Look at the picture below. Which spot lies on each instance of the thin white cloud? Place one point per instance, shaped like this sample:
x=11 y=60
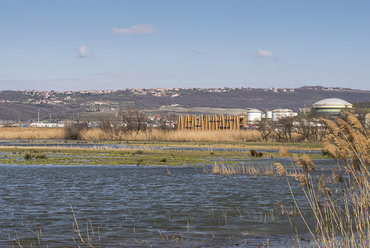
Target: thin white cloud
x=83 y=52
x=136 y=29
x=265 y=54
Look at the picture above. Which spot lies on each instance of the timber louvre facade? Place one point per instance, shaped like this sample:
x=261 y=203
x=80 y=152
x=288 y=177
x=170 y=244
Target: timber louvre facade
x=211 y=122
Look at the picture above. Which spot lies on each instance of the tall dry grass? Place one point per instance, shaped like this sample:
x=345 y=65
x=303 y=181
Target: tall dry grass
x=31 y=133
x=158 y=135
x=229 y=170
x=148 y=135
x=340 y=202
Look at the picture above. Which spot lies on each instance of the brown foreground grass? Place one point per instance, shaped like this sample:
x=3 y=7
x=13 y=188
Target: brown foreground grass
x=149 y=135
x=339 y=202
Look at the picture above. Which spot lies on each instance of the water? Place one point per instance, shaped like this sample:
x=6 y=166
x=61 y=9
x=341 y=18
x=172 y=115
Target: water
x=135 y=207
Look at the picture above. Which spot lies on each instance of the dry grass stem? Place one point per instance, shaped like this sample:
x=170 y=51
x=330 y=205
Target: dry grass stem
x=340 y=204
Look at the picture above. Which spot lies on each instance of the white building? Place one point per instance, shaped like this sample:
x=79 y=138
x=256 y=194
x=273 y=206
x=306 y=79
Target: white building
x=50 y=125
x=277 y=114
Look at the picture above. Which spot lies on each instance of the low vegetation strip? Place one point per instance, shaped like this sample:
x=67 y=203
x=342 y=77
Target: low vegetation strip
x=143 y=157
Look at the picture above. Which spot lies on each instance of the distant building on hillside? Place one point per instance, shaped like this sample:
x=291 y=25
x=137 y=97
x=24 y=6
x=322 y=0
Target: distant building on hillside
x=331 y=106
x=49 y=125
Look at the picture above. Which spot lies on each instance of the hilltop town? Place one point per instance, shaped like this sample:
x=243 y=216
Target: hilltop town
x=58 y=105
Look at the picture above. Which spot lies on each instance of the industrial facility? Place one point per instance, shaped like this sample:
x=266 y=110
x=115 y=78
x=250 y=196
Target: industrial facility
x=251 y=117
x=331 y=106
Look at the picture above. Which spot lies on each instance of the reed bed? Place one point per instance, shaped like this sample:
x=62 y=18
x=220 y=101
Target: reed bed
x=148 y=135
x=189 y=136
x=31 y=133
x=340 y=203
x=229 y=170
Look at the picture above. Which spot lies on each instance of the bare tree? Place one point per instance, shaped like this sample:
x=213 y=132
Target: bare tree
x=124 y=121
x=266 y=128
x=133 y=120
x=73 y=131
x=165 y=121
x=285 y=128
x=111 y=127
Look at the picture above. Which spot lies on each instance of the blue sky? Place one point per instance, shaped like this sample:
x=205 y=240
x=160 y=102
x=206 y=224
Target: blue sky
x=71 y=45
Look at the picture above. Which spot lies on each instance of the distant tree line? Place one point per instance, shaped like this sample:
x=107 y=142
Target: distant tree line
x=307 y=128
x=290 y=129
x=124 y=122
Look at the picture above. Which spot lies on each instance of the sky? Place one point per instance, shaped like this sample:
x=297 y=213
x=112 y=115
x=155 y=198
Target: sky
x=80 y=45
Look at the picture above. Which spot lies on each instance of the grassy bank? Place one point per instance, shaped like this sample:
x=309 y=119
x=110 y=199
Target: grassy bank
x=143 y=157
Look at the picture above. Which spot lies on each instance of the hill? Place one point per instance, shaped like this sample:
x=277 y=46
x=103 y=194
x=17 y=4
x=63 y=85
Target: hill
x=24 y=105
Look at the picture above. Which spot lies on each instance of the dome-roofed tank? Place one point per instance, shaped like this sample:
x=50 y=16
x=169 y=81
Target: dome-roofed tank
x=332 y=103
x=332 y=106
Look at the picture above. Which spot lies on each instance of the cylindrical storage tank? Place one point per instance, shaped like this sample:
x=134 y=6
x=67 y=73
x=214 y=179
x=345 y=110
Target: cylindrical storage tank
x=254 y=115
x=331 y=106
x=277 y=114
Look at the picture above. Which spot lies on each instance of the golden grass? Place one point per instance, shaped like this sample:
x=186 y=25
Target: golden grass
x=149 y=135
x=188 y=136
x=31 y=133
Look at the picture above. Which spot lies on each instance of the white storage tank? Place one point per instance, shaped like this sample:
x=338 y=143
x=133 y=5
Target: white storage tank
x=254 y=115
x=331 y=106
x=277 y=114
x=269 y=114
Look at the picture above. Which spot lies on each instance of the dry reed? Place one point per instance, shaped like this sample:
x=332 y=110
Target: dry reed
x=195 y=136
x=228 y=170
x=340 y=204
x=148 y=135
x=31 y=133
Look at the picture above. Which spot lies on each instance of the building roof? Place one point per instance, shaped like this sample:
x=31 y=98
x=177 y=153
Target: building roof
x=282 y=110
x=253 y=110
x=332 y=103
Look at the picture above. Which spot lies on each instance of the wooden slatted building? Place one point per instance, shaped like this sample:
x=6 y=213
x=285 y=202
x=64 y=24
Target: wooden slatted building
x=211 y=122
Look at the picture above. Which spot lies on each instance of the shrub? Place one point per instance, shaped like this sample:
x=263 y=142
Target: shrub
x=138 y=152
x=255 y=153
x=74 y=131
x=40 y=156
x=27 y=156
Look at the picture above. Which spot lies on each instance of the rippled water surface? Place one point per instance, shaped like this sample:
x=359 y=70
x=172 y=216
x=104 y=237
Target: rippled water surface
x=134 y=206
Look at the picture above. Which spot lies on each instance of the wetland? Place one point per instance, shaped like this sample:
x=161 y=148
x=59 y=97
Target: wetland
x=122 y=196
